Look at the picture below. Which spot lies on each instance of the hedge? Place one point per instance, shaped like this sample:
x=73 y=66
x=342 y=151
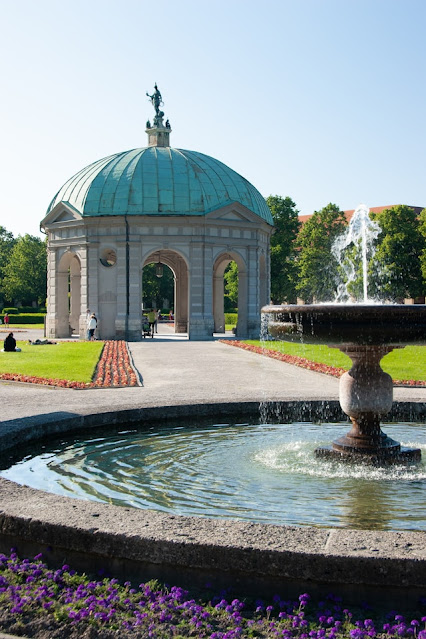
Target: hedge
x=31 y=309
x=12 y=310
x=33 y=318
x=231 y=318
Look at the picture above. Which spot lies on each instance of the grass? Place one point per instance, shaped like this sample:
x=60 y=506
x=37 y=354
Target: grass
x=74 y=361
x=28 y=327
x=407 y=363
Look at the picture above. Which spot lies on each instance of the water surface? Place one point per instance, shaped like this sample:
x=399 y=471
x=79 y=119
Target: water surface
x=264 y=473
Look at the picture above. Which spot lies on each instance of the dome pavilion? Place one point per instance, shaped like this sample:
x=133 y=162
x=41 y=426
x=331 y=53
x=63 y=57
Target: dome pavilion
x=155 y=204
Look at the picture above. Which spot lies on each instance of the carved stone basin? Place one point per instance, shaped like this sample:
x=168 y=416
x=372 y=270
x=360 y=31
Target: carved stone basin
x=360 y=324
x=365 y=333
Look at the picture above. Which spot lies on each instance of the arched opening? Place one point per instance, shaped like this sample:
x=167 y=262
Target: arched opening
x=68 y=295
x=229 y=291
x=158 y=286
x=165 y=285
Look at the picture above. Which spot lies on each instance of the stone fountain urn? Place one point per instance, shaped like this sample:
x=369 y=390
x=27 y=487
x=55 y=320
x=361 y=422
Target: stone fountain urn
x=365 y=332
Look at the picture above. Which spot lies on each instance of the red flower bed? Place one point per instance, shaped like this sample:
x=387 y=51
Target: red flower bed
x=306 y=363
x=114 y=370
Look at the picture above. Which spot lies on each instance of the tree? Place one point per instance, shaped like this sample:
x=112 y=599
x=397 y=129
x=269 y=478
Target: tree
x=397 y=262
x=25 y=272
x=317 y=267
x=7 y=242
x=231 y=287
x=283 y=248
x=422 y=228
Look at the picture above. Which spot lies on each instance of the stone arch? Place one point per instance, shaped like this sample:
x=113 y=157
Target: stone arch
x=219 y=266
x=178 y=264
x=68 y=294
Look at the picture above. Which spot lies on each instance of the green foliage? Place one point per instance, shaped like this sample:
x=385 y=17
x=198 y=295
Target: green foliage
x=397 y=264
x=231 y=319
x=7 y=243
x=11 y=310
x=283 y=248
x=317 y=267
x=422 y=229
x=25 y=272
x=157 y=288
x=32 y=309
x=74 y=361
x=231 y=286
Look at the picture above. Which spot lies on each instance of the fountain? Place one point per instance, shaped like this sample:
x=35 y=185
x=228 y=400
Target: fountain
x=365 y=332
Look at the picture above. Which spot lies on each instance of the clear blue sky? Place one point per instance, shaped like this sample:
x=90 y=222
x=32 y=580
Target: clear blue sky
x=321 y=100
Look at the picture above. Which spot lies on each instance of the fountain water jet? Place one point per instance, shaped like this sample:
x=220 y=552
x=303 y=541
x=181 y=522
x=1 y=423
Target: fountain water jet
x=366 y=333
x=361 y=231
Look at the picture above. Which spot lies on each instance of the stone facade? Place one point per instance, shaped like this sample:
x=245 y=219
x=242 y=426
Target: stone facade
x=196 y=248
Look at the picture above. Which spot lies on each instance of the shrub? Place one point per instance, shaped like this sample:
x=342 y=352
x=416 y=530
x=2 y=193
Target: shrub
x=33 y=318
x=31 y=309
x=231 y=318
x=12 y=310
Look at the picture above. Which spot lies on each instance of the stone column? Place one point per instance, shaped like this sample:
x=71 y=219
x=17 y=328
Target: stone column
x=92 y=278
x=135 y=292
x=51 y=317
x=84 y=290
x=120 y=322
x=253 y=293
x=201 y=324
x=181 y=296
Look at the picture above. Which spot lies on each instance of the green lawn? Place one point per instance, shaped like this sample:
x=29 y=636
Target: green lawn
x=27 y=327
x=407 y=363
x=74 y=361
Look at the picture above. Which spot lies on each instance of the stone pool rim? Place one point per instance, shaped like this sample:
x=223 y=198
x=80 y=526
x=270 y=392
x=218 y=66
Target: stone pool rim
x=164 y=543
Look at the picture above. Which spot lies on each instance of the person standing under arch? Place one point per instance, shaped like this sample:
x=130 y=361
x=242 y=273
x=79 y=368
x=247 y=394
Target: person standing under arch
x=152 y=316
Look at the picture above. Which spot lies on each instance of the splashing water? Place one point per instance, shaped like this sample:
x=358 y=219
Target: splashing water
x=361 y=233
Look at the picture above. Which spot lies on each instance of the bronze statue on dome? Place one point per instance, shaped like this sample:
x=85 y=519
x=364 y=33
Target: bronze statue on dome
x=157 y=101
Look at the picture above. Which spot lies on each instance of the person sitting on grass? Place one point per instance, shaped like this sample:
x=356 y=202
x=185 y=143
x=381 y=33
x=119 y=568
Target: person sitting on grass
x=10 y=344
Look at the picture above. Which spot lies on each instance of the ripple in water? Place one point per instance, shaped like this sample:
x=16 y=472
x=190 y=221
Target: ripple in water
x=265 y=473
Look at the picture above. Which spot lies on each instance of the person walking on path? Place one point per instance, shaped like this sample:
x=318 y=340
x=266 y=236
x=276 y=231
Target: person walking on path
x=6 y=320
x=152 y=316
x=91 y=326
x=88 y=316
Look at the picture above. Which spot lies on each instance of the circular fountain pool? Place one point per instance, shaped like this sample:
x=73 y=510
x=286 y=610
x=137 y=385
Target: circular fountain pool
x=264 y=473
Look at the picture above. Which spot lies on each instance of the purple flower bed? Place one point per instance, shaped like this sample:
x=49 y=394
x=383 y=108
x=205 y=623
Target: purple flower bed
x=36 y=601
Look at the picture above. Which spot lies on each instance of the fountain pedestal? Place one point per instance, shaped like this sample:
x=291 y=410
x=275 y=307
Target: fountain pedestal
x=366 y=395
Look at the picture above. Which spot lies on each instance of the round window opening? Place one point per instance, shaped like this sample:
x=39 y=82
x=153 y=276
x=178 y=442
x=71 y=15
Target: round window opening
x=108 y=257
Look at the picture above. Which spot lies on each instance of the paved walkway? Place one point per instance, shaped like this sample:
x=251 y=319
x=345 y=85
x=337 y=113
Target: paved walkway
x=177 y=371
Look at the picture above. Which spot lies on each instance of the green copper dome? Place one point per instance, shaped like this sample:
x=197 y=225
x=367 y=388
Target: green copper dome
x=158 y=181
